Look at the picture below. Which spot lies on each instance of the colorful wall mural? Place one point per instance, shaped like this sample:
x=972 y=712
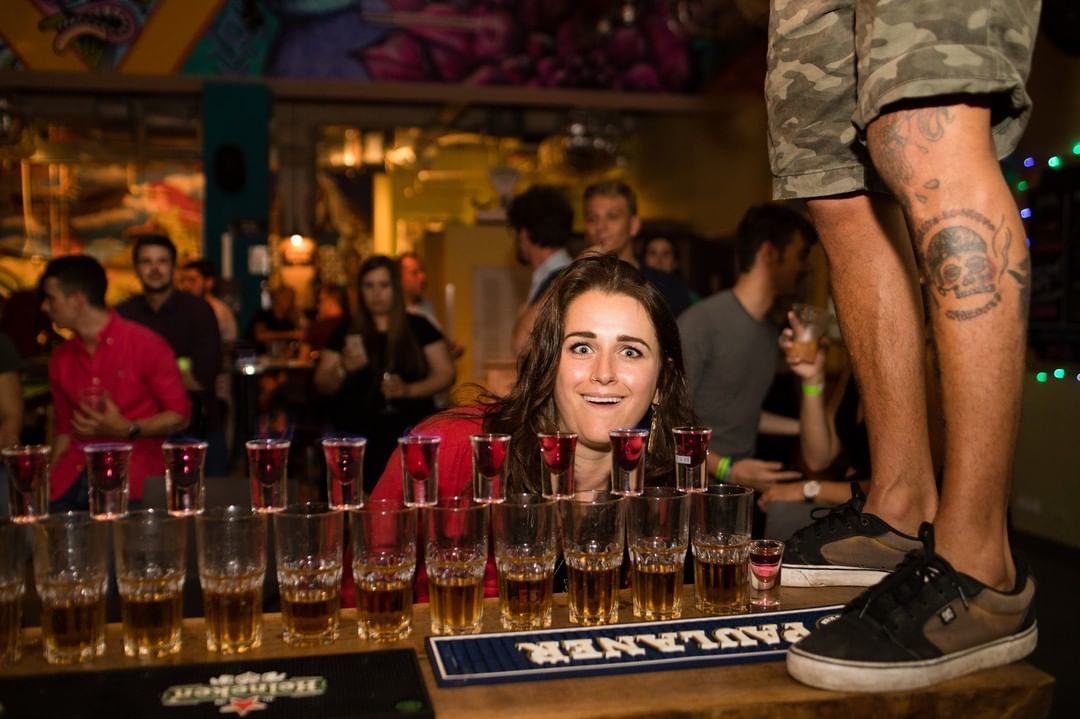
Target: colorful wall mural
x=636 y=45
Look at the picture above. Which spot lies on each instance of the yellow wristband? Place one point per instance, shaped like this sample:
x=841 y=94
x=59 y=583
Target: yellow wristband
x=723 y=469
x=812 y=390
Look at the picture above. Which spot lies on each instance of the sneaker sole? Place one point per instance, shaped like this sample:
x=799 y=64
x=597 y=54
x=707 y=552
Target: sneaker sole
x=816 y=575
x=845 y=675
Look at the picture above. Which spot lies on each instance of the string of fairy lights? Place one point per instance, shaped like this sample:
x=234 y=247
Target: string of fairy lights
x=1018 y=173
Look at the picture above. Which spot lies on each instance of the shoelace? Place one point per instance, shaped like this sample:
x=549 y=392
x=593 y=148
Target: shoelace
x=919 y=568
x=828 y=519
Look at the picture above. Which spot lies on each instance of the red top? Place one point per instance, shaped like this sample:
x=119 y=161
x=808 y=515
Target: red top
x=138 y=371
x=455 y=478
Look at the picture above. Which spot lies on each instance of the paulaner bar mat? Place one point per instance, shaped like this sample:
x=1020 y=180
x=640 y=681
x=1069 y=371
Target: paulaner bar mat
x=366 y=685
x=620 y=648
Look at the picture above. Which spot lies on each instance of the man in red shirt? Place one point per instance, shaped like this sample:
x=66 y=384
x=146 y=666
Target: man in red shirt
x=113 y=380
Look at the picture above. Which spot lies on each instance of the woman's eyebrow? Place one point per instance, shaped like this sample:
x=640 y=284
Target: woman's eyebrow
x=592 y=335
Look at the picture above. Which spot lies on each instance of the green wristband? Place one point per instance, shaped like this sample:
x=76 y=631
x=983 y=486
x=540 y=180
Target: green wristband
x=812 y=390
x=723 y=469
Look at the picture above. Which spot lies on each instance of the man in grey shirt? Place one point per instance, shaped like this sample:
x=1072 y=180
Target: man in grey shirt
x=730 y=347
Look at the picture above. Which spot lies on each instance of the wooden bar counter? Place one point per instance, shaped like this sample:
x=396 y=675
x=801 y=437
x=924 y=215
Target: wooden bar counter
x=732 y=692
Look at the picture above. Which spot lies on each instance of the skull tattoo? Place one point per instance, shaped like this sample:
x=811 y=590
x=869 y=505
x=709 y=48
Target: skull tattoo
x=957 y=262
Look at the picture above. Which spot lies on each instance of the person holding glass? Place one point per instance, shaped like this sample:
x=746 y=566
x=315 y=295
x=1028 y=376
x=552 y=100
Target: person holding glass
x=604 y=354
x=384 y=369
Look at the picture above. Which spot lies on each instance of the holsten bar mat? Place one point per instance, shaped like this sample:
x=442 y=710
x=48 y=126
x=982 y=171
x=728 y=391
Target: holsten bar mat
x=366 y=685
x=620 y=648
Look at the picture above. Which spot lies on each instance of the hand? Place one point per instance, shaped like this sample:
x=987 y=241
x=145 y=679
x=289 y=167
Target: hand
x=393 y=387
x=809 y=372
x=456 y=349
x=105 y=421
x=759 y=474
x=781 y=492
x=353 y=358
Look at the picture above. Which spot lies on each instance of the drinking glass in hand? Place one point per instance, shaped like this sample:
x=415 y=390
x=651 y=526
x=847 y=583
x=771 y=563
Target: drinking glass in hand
x=720 y=540
x=231 y=544
x=691 y=458
x=455 y=553
x=344 y=457
x=808 y=325
x=765 y=559
x=71 y=572
x=628 y=460
x=657 y=529
x=268 y=463
x=185 y=462
x=308 y=543
x=526 y=546
x=12 y=579
x=420 y=469
x=107 y=477
x=557 y=457
x=384 y=564
x=151 y=561
x=488 y=457
x=592 y=536
x=28 y=481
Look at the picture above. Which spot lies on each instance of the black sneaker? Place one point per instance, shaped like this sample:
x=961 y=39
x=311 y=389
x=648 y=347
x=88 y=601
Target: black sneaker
x=924 y=624
x=844 y=547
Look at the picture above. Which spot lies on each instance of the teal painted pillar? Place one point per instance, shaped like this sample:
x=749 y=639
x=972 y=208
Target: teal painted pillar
x=236 y=162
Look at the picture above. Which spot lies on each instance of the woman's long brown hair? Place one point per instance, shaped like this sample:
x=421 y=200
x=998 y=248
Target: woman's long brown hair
x=530 y=406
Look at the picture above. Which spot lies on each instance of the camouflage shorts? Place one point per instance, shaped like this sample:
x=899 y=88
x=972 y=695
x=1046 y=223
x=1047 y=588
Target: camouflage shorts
x=834 y=64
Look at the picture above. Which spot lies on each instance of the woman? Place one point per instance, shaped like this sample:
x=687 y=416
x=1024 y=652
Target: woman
x=385 y=369
x=604 y=354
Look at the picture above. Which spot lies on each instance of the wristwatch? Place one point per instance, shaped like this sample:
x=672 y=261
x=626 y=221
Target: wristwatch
x=811 y=489
x=134 y=431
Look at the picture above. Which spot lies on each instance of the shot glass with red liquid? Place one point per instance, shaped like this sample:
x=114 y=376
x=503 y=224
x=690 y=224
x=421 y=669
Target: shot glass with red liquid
x=185 y=463
x=691 y=455
x=420 y=469
x=489 y=455
x=628 y=461
x=28 y=485
x=268 y=462
x=344 y=470
x=107 y=477
x=557 y=456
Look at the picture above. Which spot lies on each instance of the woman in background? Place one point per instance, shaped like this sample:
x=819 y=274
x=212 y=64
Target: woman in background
x=384 y=369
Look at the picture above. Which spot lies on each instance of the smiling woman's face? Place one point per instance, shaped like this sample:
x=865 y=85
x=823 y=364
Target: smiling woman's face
x=609 y=365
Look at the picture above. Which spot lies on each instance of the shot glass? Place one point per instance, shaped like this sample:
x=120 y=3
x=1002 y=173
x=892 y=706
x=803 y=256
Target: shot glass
x=420 y=469
x=808 y=324
x=344 y=471
x=71 y=573
x=307 y=544
x=185 y=462
x=557 y=456
x=383 y=536
x=526 y=546
x=231 y=551
x=488 y=457
x=766 y=556
x=720 y=520
x=107 y=476
x=268 y=464
x=593 y=524
x=12 y=578
x=657 y=530
x=150 y=547
x=28 y=481
x=455 y=553
x=628 y=461
x=691 y=458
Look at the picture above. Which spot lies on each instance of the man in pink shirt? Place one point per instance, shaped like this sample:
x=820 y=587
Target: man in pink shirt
x=114 y=380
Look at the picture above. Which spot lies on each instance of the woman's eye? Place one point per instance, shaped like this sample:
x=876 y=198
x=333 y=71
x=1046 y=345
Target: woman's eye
x=630 y=352
x=580 y=349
